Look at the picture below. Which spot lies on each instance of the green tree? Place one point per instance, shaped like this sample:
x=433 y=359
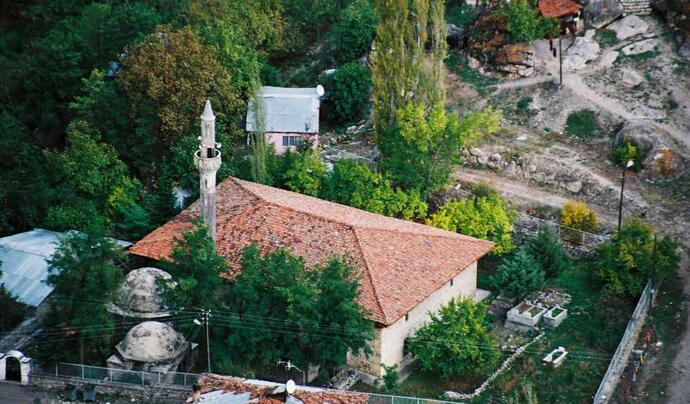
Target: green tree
x=519 y=275
x=348 y=90
x=354 y=30
x=549 y=252
x=305 y=172
x=577 y=215
x=456 y=341
x=85 y=275
x=489 y=218
x=196 y=271
x=630 y=258
x=525 y=24
x=354 y=184
x=284 y=311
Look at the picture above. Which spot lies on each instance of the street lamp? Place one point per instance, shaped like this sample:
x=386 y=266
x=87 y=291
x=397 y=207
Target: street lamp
x=629 y=164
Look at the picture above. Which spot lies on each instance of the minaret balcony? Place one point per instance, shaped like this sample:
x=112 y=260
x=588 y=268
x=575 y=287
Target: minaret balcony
x=207 y=164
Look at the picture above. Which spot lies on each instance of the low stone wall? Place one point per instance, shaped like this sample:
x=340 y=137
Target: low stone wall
x=148 y=394
x=639 y=7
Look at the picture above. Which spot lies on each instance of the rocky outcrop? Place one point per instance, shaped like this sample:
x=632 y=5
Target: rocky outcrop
x=629 y=27
x=646 y=45
x=660 y=159
x=598 y=13
x=677 y=15
x=489 y=43
x=582 y=51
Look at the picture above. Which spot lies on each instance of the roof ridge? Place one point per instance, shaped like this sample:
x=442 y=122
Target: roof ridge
x=450 y=235
x=371 y=280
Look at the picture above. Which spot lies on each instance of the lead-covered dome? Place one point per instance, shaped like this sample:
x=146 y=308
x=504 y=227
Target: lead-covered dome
x=152 y=342
x=138 y=296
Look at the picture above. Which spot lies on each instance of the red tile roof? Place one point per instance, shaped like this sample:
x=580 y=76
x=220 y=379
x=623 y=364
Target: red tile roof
x=261 y=391
x=400 y=262
x=558 y=8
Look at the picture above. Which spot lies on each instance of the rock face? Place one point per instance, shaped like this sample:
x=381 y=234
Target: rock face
x=660 y=158
x=490 y=44
x=643 y=46
x=583 y=50
x=629 y=26
x=677 y=15
x=598 y=13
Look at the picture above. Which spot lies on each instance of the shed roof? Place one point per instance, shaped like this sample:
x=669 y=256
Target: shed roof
x=401 y=263
x=558 y=8
x=25 y=258
x=291 y=110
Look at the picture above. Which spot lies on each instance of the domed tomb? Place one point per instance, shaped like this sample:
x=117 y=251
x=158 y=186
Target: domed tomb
x=138 y=296
x=150 y=345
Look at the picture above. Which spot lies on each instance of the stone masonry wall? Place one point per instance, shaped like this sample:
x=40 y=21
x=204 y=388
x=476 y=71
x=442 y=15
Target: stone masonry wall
x=639 y=7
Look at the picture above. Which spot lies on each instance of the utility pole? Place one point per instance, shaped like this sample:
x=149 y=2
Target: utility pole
x=205 y=315
x=620 y=203
x=560 y=60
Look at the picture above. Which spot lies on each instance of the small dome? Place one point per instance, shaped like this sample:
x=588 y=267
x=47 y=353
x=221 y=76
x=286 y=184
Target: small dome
x=152 y=342
x=138 y=296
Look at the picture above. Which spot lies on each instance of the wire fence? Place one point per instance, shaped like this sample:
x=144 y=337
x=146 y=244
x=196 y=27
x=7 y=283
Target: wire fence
x=620 y=358
x=122 y=376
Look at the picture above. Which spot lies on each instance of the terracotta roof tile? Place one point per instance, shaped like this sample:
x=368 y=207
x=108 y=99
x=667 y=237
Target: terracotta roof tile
x=400 y=262
x=558 y=8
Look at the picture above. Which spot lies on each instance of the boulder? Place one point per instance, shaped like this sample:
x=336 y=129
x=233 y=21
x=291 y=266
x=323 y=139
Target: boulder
x=661 y=159
x=608 y=58
x=629 y=27
x=631 y=78
x=643 y=46
x=574 y=187
x=582 y=51
x=598 y=13
x=649 y=113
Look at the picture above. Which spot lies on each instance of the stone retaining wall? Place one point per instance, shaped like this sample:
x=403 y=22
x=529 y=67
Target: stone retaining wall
x=148 y=394
x=639 y=7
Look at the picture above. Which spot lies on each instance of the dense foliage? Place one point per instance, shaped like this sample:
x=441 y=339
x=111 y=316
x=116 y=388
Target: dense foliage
x=456 y=341
x=84 y=273
x=549 y=252
x=489 y=218
x=348 y=92
x=519 y=275
x=12 y=310
x=354 y=31
x=284 y=311
x=577 y=215
x=525 y=24
x=633 y=256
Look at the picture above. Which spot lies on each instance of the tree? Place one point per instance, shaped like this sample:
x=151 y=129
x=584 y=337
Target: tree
x=304 y=172
x=630 y=258
x=92 y=183
x=354 y=30
x=284 y=311
x=197 y=271
x=456 y=341
x=354 y=184
x=525 y=24
x=489 y=218
x=578 y=216
x=348 y=90
x=519 y=275
x=549 y=252
x=400 y=74
x=85 y=275
x=168 y=76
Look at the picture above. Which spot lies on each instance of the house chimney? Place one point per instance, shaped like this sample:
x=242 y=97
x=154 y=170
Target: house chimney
x=207 y=161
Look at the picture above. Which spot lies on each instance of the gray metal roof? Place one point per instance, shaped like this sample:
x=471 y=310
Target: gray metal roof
x=25 y=258
x=294 y=110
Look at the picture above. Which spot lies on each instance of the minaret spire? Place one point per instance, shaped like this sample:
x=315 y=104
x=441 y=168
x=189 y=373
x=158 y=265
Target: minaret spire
x=207 y=161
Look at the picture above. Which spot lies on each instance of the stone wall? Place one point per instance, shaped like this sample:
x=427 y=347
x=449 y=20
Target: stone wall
x=149 y=394
x=639 y=7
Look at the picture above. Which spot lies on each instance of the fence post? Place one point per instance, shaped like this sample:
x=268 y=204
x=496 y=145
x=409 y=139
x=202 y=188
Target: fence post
x=142 y=378
x=159 y=377
x=184 y=381
x=82 y=371
x=56 y=369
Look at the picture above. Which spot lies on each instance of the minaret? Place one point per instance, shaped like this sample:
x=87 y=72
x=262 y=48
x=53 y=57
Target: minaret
x=207 y=161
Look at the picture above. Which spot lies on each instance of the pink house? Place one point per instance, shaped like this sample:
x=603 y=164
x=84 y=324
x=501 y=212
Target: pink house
x=290 y=116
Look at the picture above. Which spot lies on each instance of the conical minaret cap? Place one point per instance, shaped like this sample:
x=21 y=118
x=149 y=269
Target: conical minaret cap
x=208 y=112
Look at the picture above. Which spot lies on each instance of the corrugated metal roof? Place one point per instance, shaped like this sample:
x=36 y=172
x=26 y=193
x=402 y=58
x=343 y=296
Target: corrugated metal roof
x=25 y=258
x=286 y=109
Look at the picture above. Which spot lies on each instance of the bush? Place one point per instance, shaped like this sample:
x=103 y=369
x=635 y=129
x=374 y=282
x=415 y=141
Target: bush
x=525 y=24
x=390 y=376
x=489 y=218
x=548 y=251
x=456 y=341
x=354 y=31
x=582 y=124
x=627 y=151
x=519 y=275
x=348 y=91
x=631 y=257
x=578 y=216
x=462 y=15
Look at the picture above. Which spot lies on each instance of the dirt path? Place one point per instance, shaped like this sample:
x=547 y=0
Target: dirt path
x=678 y=386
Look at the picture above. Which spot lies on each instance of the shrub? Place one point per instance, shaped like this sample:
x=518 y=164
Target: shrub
x=548 y=251
x=489 y=218
x=348 y=90
x=582 y=124
x=626 y=151
x=525 y=24
x=631 y=257
x=462 y=15
x=456 y=341
x=354 y=31
x=390 y=376
x=519 y=275
x=578 y=216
